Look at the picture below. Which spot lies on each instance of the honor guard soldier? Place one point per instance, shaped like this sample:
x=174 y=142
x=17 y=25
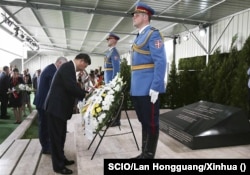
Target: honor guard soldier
x=112 y=65
x=148 y=67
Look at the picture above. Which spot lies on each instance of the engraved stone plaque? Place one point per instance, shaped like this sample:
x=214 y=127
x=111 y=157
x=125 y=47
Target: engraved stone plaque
x=207 y=125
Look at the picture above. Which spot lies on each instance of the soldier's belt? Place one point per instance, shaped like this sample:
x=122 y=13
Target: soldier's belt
x=142 y=66
x=108 y=68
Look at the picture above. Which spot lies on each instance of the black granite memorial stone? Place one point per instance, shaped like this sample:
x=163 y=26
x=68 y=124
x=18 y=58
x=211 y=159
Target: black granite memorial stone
x=207 y=125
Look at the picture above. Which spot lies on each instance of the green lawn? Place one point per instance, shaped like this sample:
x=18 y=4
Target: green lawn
x=32 y=132
x=7 y=125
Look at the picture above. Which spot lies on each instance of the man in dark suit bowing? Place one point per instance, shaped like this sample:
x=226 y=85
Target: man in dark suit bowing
x=59 y=106
x=44 y=83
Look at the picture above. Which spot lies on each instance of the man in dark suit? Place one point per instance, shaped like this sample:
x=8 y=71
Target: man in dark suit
x=4 y=86
x=59 y=106
x=35 y=80
x=44 y=83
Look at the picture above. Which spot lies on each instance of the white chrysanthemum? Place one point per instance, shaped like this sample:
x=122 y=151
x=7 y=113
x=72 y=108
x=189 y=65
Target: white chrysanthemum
x=98 y=99
x=95 y=123
x=107 y=88
x=101 y=117
x=112 y=84
x=101 y=98
x=106 y=105
x=27 y=88
x=109 y=98
x=110 y=92
x=119 y=80
x=117 y=87
x=21 y=86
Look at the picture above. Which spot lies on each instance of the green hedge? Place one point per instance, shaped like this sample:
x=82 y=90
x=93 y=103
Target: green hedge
x=223 y=80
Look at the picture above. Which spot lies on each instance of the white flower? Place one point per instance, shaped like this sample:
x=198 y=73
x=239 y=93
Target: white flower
x=111 y=92
x=107 y=103
x=80 y=104
x=99 y=106
x=21 y=86
x=27 y=88
x=117 y=87
x=109 y=98
x=95 y=124
x=98 y=99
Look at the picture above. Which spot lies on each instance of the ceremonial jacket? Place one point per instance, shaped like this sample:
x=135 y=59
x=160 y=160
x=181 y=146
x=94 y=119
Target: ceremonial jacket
x=148 y=63
x=111 y=64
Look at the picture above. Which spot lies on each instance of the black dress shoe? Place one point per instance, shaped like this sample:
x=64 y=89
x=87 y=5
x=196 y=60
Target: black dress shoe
x=115 y=124
x=64 y=171
x=140 y=156
x=69 y=162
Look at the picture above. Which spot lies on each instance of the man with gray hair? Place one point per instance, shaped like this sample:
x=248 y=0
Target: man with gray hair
x=43 y=86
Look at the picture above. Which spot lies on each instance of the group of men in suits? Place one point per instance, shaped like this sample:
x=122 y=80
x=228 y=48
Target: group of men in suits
x=55 y=97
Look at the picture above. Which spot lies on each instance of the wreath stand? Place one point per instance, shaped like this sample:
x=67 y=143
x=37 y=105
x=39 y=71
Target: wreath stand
x=102 y=133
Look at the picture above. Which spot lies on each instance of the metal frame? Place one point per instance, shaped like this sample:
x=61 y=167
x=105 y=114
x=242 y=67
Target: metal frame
x=102 y=133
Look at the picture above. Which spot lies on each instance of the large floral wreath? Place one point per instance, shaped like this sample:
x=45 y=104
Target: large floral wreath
x=101 y=106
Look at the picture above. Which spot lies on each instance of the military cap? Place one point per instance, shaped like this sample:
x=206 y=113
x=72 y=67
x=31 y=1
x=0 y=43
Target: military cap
x=112 y=35
x=143 y=8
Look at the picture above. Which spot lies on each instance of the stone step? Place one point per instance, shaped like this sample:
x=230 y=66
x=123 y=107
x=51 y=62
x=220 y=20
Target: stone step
x=18 y=132
x=12 y=156
x=30 y=158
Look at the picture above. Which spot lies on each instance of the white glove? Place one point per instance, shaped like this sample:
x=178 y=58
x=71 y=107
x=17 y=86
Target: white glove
x=154 y=95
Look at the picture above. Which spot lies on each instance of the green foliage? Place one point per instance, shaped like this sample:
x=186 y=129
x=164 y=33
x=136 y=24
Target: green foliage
x=193 y=63
x=189 y=86
x=173 y=94
x=32 y=131
x=239 y=91
x=207 y=78
x=125 y=72
x=223 y=80
x=224 y=76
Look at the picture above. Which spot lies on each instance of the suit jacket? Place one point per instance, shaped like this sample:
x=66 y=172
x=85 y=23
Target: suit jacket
x=4 y=83
x=63 y=92
x=43 y=86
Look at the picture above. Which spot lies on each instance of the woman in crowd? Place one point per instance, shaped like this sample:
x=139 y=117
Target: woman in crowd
x=16 y=95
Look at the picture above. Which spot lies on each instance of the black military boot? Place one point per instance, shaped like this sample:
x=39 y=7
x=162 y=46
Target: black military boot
x=144 y=139
x=150 y=147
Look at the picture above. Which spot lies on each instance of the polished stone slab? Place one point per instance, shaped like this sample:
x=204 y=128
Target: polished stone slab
x=207 y=125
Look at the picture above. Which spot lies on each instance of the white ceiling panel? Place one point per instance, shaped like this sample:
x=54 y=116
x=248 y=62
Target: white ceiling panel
x=83 y=25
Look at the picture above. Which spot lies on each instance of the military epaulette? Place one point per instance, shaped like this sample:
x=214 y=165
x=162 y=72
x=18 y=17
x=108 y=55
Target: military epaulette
x=138 y=49
x=154 y=29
